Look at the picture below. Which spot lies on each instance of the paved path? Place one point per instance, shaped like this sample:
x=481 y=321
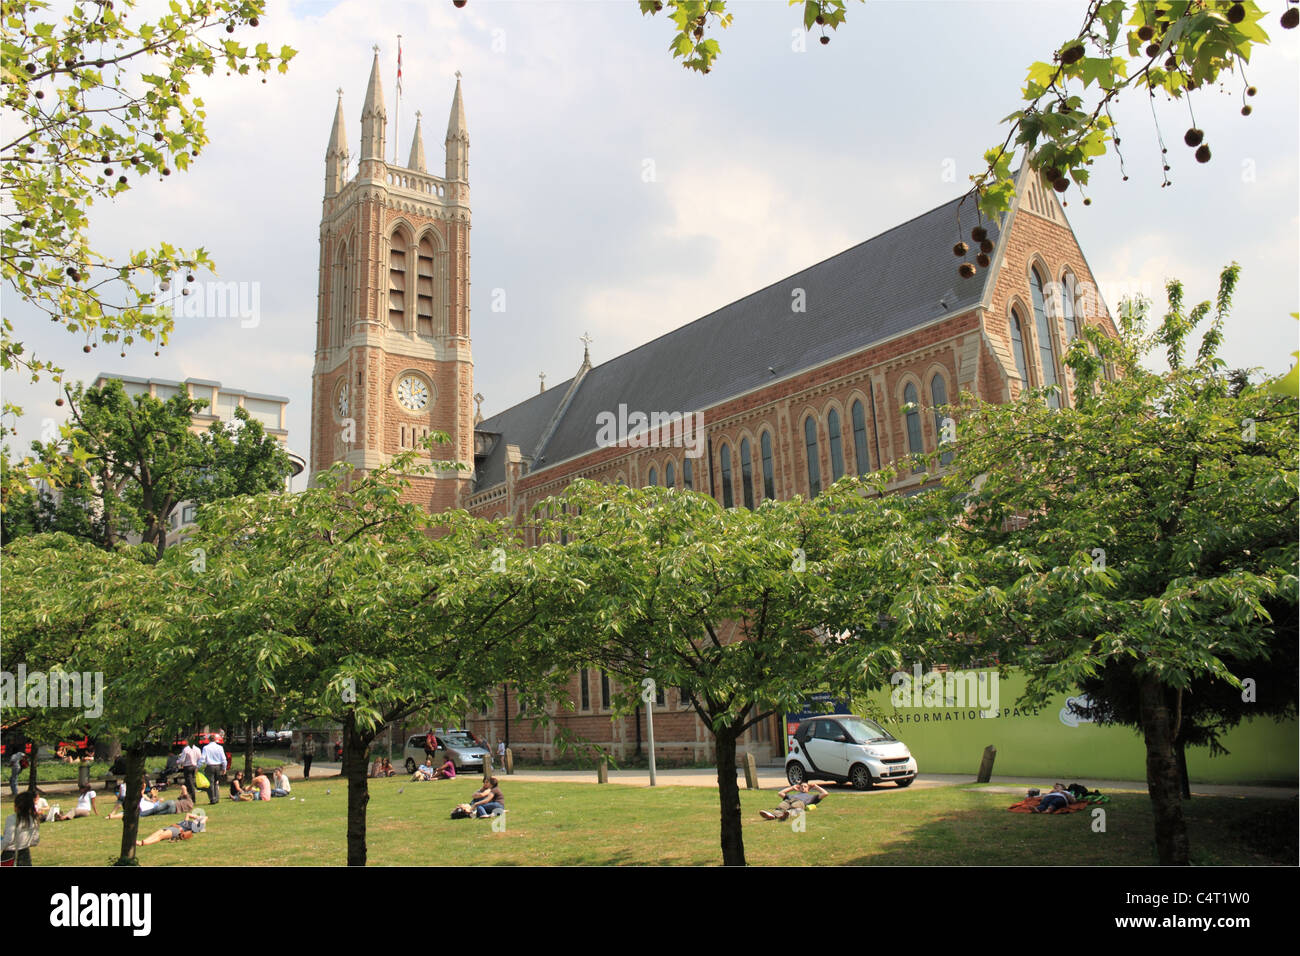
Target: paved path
x=773 y=778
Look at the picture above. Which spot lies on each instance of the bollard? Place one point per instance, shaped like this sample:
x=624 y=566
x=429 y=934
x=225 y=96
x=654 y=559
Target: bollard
x=510 y=762
x=986 y=764
x=487 y=768
x=602 y=771
x=751 y=772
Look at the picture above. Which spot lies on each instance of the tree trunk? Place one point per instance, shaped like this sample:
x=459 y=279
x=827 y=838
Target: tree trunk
x=31 y=767
x=248 y=749
x=733 y=843
x=1163 y=783
x=355 y=757
x=131 y=805
x=1184 y=780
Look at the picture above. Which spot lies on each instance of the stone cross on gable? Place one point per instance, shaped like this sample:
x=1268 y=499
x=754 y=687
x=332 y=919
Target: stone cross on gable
x=542 y=377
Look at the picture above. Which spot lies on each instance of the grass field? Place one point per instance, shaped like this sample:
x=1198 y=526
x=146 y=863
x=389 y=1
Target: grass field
x=586 y=824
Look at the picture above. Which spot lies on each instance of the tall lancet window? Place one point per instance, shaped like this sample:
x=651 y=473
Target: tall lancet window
x=424 y=291
x=338 y=297
x=397 y=282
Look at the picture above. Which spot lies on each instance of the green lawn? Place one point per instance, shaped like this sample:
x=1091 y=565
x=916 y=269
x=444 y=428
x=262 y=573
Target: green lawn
x=586 y=824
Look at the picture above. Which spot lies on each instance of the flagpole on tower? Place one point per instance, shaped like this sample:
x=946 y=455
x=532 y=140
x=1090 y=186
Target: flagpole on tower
x=397 y=114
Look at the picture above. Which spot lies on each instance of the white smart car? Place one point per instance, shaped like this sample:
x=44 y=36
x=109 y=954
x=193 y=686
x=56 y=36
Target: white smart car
x=848 y=749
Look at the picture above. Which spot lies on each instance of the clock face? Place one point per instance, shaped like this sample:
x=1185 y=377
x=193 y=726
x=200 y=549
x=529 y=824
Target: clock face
x=412 y=393
x=342 y=401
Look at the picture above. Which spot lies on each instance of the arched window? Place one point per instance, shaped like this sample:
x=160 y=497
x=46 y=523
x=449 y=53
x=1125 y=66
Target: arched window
x=1018 y=346
x=728 y=497
x=837 y=444
x=654 y=477
x=339 y=306
x=425 y=298
x=765 y=445
x=1043 y=328
x=397 y=282
x=913 y=419
x=810 y=448
x=746 y=474
x=669 y=475
x=859 y=416
x=688 y=479
x=939 y=398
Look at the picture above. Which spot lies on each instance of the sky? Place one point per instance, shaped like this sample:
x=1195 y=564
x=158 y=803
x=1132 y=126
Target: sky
x=785 y=154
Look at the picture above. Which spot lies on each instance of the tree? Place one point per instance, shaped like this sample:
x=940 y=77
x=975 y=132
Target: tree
x=1175 y=47
x=744 y=611
x=352 y=605
x=1148 y=528
x=99 y=104
x=134 y=461
x=75 y=609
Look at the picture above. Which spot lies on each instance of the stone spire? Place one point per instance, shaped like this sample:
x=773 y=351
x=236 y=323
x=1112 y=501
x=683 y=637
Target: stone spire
x=336 y=154
x=457 y=139
x=374 y=118
x=416 y=161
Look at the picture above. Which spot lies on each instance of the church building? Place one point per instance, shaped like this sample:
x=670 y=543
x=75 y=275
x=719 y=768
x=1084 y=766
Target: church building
x=837 y=369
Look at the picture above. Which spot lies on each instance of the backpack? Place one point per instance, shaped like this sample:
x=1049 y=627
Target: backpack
x=1077 y=790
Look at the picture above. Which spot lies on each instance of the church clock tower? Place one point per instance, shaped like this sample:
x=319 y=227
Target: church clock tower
x=393 y=361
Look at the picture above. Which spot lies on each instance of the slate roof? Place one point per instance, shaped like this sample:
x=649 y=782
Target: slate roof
x=900 y=279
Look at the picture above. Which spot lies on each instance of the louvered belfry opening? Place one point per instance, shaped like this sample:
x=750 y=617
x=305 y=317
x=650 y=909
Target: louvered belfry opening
x=397 y=282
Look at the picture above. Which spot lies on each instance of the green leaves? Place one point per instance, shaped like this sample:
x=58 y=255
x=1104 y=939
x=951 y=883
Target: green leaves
x=55 y=164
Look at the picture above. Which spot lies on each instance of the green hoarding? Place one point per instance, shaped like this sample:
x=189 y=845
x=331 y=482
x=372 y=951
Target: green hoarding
x=947 y=733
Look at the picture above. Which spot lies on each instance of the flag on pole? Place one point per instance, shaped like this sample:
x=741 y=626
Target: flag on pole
x=399 y=65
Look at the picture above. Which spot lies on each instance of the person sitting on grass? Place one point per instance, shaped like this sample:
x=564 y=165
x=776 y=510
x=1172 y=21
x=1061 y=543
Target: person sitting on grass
x=1058 y=799
x=261 y=785
x=192 y=824
x=798 y=797
x=280 y=787
x=185 y=802
x=85 y=804
x=489 y=802
x=237 y=791
x=424 y=772
x=386 y=769
x=446 y=771
x=376 y=768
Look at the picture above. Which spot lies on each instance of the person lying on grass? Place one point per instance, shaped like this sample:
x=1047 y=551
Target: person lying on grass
x=1059 y=798
x=192 y=824
x=150 y=805
x=801 y=796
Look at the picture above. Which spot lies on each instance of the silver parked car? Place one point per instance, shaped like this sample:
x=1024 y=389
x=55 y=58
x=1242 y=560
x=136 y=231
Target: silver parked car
x=458 y=746
x=848 y=749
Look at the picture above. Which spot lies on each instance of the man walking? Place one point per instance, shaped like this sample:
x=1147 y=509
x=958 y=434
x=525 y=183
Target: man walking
x=214 y=760
x=191 y=757
x=308 y=751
